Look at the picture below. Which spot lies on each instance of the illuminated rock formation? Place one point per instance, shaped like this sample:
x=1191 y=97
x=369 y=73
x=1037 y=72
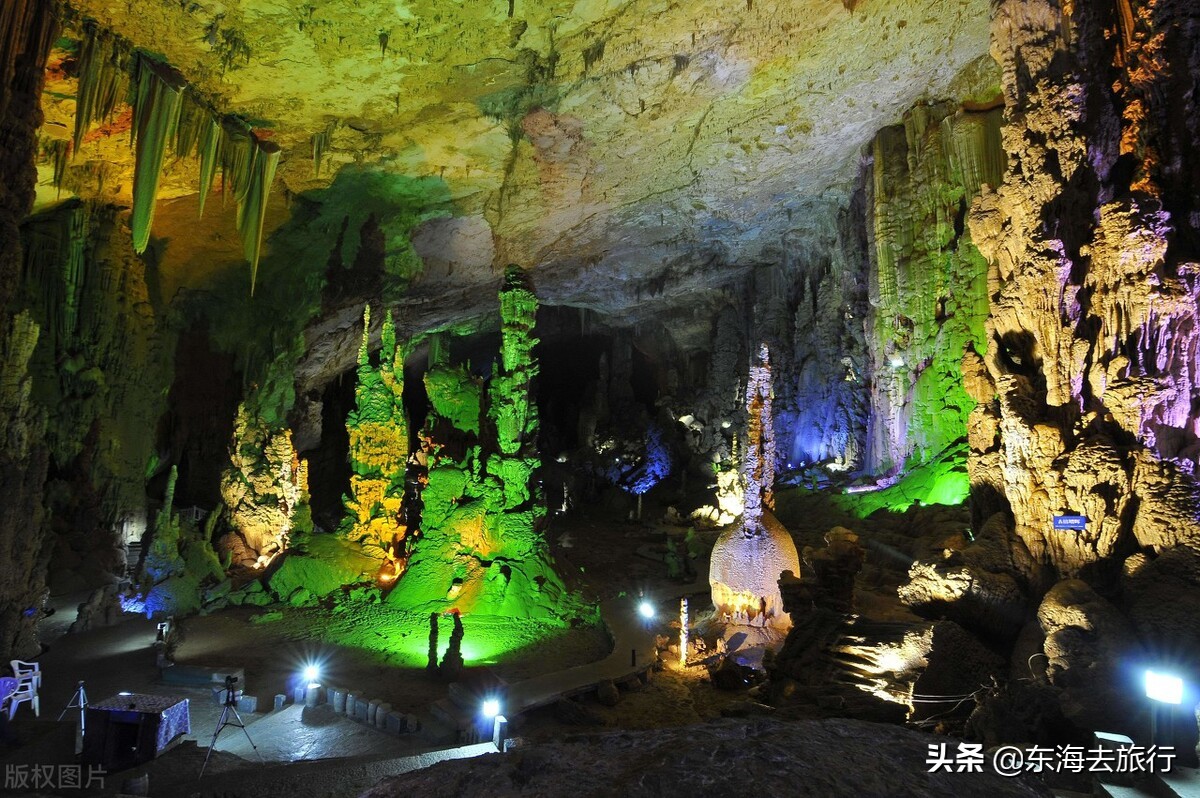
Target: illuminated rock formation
x=481 y=548
x=748 y=559
x=265 y=489
x=927 y=282
x=378 y=431
x=1086 y=406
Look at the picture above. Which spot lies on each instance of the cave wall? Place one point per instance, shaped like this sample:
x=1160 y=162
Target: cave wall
x=27 y=29
x=1087 y=397
x=870 y=310
x=809 y=310
x=926 y=280
x=101 y=370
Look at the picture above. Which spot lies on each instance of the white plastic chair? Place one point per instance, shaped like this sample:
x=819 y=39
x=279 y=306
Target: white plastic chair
x=29 y=679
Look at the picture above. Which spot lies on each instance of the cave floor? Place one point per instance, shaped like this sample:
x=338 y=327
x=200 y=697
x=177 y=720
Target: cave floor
x=600 y=553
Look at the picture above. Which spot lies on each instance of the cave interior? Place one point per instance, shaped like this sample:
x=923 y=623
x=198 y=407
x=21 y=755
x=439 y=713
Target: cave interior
x=819 y=373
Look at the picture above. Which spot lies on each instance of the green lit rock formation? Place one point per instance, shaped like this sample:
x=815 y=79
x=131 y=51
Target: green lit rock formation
x=179 y=562
x=927 y=281
x=481 y=549
x=378 y=429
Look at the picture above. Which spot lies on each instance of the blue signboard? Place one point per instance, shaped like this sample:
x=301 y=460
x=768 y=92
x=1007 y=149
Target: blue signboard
x=1070 y=522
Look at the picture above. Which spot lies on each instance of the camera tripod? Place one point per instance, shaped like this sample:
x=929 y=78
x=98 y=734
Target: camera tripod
x=230 y=708
x=80 y=701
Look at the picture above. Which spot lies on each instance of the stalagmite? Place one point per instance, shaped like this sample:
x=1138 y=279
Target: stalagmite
x=748 y=558
x=683 y=632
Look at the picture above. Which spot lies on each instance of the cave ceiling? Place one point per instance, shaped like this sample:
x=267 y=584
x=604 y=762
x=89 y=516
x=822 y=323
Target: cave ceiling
x=608 y=146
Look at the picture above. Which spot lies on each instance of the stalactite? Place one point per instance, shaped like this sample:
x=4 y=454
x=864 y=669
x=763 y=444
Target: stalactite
x=236 y=154
x=169 y=114
x=320 y=144
x=104 y=67
x=195 y=117
x=54 y=270
x=158 y=100
x=209 y=146
x=73 y=266
x=57 y=151
x=253 y=209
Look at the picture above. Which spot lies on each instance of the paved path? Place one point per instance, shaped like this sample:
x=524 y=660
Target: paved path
x=311 y=779
x=299 y=733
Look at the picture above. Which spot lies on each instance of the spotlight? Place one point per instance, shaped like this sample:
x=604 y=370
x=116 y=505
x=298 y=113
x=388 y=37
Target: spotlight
x=491 y=708
x=1164 y=688
x=646 y=609
x=896 y=361
x=312 y=674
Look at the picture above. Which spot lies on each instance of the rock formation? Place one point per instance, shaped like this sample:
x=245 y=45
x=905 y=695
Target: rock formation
x=1090 y=248
x=378 y=432
x=748 y=558
x=943 y=250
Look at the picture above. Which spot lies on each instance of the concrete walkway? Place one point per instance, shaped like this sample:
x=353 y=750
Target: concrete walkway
x=298 y=733
x=313 y=751
x=311 y=778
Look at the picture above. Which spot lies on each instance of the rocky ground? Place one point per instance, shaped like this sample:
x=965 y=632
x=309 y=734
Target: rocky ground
x=806 y=758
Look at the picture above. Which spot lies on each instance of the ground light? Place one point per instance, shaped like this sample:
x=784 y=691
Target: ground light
x=646 y=610
x=1162 y=688
x=312 y=685
x=491 y=708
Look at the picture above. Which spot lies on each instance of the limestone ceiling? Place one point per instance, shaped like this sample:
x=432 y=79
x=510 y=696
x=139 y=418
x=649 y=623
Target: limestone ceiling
x=594 y=141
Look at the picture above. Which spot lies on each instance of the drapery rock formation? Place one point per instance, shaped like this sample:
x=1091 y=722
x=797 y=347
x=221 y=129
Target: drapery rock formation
x=927 y=282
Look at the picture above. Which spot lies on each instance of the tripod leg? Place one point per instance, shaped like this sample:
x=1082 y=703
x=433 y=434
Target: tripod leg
x=243 y=728
x=220 y=725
